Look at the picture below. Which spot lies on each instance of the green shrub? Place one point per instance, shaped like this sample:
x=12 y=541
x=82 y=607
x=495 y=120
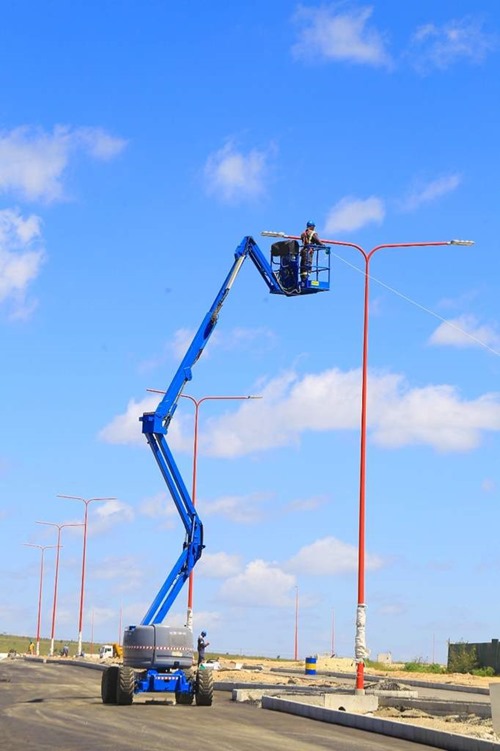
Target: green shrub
x=462 y=658
x=484 y=672
x=418 y=666
x=374 y=665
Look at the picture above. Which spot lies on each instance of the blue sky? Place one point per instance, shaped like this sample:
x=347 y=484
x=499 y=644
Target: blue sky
x=139 y=143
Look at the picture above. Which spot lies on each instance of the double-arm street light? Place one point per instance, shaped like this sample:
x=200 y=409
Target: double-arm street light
x=42 y=548
x=361 y=652
x=56 y=576
x=197 y=403
x=87 y=502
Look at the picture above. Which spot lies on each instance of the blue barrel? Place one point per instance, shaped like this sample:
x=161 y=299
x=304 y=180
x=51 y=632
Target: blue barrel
x=311 y=665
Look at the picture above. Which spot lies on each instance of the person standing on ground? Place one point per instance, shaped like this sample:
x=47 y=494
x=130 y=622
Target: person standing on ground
x=309 y=239
x=202 y=645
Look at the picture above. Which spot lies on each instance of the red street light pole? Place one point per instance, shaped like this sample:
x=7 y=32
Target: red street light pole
x=43 y=548
x=56 y=577
x=361 y=652
x=86 y=501
x=197 y=403
x=296 y=640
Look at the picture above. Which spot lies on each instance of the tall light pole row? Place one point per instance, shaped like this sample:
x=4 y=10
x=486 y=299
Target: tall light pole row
x=58 y=546
x=87 y=502
x=56 y=576
x=361 y=652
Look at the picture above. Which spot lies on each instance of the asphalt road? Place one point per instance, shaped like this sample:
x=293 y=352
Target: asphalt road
x=57 y=707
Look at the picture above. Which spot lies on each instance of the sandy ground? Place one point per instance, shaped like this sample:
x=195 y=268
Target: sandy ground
x=260 y=671
x=345 y=665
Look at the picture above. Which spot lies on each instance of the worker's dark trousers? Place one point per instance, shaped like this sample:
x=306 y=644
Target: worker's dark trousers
x=306 y=255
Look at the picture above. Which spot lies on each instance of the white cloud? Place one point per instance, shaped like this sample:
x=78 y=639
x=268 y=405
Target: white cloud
x=431 y=191
x=440 y=47
x=98 y=143
x=159 y=506
x=219 y=565
x=239 y=509
x=126 y=571
x=181 y=340
x=441 y=419
x=261 y=584
x=353 y=213
x=108 y=514
x=259 y=339
x=327 y=557
x=465 y=331
x=21 y=259
x=33 y=162
x=398 y=415
x=305 y=504
x=126 y=429
x=232 y=175
x=328 y=34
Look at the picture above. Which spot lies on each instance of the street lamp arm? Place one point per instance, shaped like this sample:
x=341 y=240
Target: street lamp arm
x=85 y=500
x=378 y=247
x=206 y=398
x=325 y=242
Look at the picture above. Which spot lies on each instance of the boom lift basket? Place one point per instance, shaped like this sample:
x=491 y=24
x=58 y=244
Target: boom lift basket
x=287 y=264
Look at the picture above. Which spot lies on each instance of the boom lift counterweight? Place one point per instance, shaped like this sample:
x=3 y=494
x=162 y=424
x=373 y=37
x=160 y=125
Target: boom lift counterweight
x=155 y=657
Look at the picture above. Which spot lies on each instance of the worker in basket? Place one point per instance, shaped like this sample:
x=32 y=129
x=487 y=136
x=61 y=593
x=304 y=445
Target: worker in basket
x=309 y=239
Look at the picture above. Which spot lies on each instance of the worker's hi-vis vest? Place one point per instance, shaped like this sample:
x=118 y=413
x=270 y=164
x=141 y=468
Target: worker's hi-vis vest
x=308 y=236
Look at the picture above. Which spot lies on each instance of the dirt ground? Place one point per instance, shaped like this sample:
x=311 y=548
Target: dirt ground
x=260 y=671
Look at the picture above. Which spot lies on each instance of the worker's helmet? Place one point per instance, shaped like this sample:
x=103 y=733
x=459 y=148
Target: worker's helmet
x=203 y=633
x=311 y=224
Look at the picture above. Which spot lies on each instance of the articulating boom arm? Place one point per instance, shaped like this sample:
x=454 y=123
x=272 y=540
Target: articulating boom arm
x=155 y=427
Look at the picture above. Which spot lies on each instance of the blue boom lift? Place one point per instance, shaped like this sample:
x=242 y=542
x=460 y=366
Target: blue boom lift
x=158 y=658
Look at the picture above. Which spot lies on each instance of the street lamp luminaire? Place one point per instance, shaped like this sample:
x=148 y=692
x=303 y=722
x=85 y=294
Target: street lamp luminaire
x=197 y=403
x=56 y=577
x=86 y=501
x=361 y=652
x=43 y=548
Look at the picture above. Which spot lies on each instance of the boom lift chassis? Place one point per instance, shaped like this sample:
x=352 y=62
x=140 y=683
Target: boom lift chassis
x=159 y=658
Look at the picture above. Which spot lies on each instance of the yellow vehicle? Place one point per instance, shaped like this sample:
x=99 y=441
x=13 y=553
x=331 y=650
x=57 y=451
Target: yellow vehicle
x=111 y=650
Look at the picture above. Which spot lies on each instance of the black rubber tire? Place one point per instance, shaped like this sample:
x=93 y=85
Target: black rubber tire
x=204 y=688
x=183 y=698
x=109 y=682
x=125 y=686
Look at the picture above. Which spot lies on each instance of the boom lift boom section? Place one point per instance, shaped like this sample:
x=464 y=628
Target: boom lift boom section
x=155 y=424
